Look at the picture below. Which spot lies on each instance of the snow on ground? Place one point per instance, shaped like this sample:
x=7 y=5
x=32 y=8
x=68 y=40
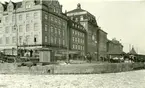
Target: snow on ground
x=132 y=79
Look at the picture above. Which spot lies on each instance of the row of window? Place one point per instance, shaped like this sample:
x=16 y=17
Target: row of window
x=57 y=41
x=57 y=31
x=77 y=26
x=20 y=28
x=7 y=40
x=78 y=40
x=78 y=47
x=57 y=20
x=77 y=33
x=20 y=17
x=81 y=18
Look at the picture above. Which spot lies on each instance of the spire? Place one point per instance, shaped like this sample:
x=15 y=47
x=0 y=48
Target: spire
x=78 y=6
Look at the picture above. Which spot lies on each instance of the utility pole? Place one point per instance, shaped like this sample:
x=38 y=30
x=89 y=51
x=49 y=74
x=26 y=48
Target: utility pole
x=67 y=33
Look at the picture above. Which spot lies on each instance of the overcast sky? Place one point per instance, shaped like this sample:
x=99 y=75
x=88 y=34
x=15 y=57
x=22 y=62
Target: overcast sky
x=123 y=20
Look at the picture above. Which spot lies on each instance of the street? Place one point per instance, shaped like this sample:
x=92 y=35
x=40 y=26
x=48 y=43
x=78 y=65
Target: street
x=132 y=79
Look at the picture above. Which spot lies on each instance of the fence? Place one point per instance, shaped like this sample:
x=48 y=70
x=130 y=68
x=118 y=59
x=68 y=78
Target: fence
x=9 y=68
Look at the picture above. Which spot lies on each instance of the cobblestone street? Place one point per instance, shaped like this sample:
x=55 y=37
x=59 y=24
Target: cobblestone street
x=133 y=79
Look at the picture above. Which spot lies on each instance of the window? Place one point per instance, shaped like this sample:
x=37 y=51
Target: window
x=20 y=28
x=14 y=29
x=59 y=41
x=20 y=17
x=55 y=30
x=35 y=26
x=73 y=39
x=27 y=27
x=28 y=5
x=76 y=40
x=51 y=39
x=73 y=46
x=52 y=18
x=45 y=27
x=36 y=15
x=7 y=30
x=13 y=39
x=63 y=33
x=73 y=31
x=35 y=38
x=27 y=39
x=27 y=16
x=45 y=38
x=1 y=40
x=52 y=29
x=6 y=19
x=46 y=17
x=7 y=40
x=20 y=39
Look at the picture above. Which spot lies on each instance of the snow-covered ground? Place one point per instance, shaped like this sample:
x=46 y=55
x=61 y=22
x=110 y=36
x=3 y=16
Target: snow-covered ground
x=133 y=79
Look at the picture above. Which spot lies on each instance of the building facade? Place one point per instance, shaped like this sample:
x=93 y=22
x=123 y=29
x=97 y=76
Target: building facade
x=114 y=47
x=32 y=24
x=89 y=23
x=102 y=43
x=77 y=38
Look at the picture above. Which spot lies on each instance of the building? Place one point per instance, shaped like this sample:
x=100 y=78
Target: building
x=89 y=23
x=32 y=24
x=114 y=48
x=77 y=39
x=102 y=43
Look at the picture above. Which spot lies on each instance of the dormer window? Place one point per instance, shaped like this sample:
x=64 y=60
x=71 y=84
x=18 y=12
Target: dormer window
x=28 y=5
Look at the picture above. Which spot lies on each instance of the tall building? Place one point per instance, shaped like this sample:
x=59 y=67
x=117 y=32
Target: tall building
x=89 y=23
x=32 y=24
x=77 y=39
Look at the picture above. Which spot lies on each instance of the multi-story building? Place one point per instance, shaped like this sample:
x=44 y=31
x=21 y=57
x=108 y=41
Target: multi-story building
x=32 y=24
x=102 y=43
x=114 y=47
x=89 y=22
x=77 y=38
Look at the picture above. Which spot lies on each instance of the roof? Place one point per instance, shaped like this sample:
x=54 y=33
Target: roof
x=76 y=10
x=132 y=51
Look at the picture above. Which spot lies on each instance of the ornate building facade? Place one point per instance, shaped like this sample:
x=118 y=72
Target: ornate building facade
x=32 y=23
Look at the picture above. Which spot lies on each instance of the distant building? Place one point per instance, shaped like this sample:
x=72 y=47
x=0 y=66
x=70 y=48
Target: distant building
x=89 y=22
x=114 y=47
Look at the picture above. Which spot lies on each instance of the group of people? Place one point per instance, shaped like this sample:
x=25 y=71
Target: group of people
x=88 y=57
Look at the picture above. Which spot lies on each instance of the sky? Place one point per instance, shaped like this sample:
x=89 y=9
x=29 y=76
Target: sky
x=121 y=19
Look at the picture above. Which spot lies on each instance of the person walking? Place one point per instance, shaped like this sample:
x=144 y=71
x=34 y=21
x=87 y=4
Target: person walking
x=89 y=58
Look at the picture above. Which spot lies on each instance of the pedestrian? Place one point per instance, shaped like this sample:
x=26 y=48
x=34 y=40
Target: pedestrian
x=89 y=58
